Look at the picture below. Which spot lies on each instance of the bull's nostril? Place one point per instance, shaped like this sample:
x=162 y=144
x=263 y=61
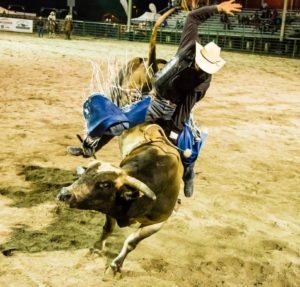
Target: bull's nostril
x=67 y=196
x=64 y=195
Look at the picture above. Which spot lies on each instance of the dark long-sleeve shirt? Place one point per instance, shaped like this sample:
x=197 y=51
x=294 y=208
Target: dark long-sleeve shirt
x=190 y=85
x=40 y=23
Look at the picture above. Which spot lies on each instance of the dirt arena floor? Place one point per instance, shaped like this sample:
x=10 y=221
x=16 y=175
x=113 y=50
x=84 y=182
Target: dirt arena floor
x=242 y=226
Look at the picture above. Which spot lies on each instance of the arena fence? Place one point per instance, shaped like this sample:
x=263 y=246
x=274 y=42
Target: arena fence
x=241 y=40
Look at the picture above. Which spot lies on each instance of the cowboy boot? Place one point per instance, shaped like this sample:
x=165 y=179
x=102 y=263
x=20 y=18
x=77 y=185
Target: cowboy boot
x=188 y=187
x=188 y=179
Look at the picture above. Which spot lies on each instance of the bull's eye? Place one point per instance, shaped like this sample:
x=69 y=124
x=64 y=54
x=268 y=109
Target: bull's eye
x=102 y=185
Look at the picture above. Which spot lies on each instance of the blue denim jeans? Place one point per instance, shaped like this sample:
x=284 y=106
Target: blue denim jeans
x=40 y=31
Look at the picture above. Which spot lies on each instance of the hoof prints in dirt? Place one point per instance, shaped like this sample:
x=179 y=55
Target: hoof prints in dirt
x=71 y=229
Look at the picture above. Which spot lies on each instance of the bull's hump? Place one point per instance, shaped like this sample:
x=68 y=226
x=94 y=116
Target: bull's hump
x=141 y=135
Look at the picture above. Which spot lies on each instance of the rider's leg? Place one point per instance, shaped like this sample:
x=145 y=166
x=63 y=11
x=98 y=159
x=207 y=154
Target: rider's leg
x=158 y=109
x=90 y=146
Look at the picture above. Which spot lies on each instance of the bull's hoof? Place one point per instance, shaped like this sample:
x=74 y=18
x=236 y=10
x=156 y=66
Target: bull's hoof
x=100 y=245
x=95 y=252
x=112 y=272
x=177 y=205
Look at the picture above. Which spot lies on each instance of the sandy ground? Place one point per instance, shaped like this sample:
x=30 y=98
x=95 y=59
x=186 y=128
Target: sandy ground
x=242 y=226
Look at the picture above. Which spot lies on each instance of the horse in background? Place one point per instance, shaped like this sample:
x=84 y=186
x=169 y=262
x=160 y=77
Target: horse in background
x=68 y=26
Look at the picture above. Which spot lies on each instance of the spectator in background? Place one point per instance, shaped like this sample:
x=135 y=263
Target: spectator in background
x=174 y=3
x=264 y=5
x=179 y=24
x=227 y=22
x=40 y=27
x=297 y=16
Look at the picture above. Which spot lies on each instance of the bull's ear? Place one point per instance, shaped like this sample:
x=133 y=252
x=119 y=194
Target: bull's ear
x=128 y=194
x=136 y=203
x=140 y=186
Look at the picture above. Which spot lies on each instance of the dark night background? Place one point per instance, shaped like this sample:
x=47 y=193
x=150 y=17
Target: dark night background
x=89 y=10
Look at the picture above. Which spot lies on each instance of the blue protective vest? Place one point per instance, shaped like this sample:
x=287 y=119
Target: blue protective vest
x=190 y=139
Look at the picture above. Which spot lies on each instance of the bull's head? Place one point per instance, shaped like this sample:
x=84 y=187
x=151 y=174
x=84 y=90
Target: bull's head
x=100 y=186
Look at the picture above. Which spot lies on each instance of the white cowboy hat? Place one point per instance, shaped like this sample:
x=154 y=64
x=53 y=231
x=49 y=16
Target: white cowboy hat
x=208 y=57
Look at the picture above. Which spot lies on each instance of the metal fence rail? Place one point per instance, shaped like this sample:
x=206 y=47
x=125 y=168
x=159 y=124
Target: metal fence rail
x=241 y=40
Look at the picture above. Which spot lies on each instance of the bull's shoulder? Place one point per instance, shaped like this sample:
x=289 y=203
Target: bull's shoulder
x=155 y=164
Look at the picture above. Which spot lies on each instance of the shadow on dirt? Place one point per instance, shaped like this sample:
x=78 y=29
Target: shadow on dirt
x=45 y=184
x=72 y=229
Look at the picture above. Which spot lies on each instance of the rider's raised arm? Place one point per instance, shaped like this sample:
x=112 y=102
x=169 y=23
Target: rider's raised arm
x=193 y=20
x=196 y=17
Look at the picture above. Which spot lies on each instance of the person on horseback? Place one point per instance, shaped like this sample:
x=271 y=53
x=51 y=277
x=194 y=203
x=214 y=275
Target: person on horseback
x=51 y=24
x=178 y=87
x=68 y=26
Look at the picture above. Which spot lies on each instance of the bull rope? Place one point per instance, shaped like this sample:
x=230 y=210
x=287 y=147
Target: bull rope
x=102 y=79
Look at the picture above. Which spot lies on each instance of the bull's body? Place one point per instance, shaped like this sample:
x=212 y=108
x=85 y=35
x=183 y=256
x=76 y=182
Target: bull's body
x=143 y=189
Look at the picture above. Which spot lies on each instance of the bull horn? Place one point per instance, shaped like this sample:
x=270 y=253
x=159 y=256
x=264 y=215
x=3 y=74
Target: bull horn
x=137 y=184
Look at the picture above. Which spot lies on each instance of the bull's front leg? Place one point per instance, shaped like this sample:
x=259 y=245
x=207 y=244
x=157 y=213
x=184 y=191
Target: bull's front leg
x=131 y=242
x=107 y=230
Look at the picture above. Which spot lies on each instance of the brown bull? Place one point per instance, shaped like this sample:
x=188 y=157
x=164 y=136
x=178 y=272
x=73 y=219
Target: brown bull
x=143 y=189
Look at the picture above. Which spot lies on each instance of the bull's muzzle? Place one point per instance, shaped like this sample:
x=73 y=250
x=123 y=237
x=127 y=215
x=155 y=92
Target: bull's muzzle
x=64 y=195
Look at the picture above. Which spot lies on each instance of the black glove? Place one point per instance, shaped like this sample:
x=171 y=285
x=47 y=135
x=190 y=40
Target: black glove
x=89 y=146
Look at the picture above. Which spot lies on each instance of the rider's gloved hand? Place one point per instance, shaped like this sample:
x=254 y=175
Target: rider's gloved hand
x=87 y=149
x=89 y=146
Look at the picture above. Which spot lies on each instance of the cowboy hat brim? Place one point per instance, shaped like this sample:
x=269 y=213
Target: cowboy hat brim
x=204 y=63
